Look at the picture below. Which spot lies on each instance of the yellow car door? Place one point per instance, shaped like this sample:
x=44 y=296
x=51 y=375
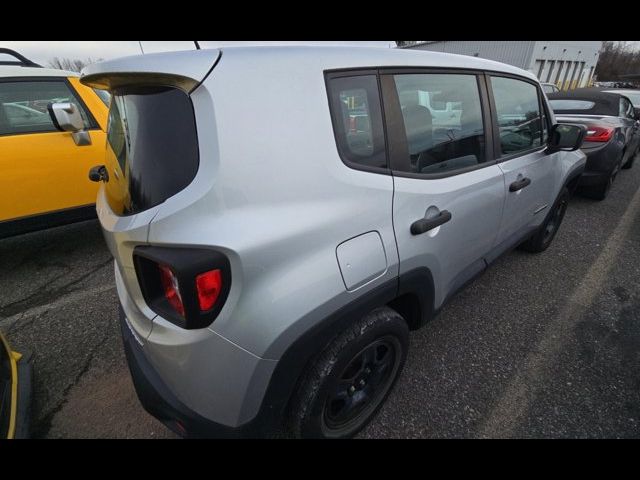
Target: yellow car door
x=42 y=170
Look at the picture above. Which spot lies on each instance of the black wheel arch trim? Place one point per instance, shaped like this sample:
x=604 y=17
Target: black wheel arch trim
x=292 y=364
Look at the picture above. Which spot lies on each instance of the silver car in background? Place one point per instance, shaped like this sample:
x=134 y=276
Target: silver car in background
x=280 y=218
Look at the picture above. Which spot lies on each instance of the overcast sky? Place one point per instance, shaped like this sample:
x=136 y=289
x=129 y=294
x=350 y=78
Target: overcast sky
x=42 y=52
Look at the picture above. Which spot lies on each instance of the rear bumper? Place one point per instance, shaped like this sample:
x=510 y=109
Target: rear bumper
x=158 y=400
x=603 y=158
x=590 y=178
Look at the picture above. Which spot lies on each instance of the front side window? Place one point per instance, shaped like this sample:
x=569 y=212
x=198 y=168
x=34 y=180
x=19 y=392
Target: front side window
x=443 y=122
x=357 y=120
x=519 y=117
x=23 y=105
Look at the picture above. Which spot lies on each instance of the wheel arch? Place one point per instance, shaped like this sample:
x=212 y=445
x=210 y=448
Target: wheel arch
x=411 y=295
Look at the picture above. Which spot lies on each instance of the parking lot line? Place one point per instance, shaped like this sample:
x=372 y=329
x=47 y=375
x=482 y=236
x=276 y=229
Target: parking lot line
x=514 y=403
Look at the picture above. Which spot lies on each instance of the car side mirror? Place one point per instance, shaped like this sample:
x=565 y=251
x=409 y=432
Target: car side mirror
x=566 y=137
x=66 y=118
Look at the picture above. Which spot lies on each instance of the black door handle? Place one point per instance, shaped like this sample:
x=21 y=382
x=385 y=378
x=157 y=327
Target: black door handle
x=426 y=224
x=519 y=184
x=99 y=173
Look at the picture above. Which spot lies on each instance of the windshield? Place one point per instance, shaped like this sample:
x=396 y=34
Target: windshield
x=571 y=105
x=634 y=97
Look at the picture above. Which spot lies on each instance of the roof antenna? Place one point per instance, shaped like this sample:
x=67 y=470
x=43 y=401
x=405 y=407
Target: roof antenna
x=141 y=49
x=197 y=45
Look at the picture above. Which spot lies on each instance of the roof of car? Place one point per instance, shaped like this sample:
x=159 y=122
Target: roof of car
x=376 y=56
x=605 y=103
x=329 y=57
x=18 y=71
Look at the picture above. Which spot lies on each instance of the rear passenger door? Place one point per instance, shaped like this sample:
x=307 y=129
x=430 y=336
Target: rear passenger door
x=521 y=127
x=448 y=191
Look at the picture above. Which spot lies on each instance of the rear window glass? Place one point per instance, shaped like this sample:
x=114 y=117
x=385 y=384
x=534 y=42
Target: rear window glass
x=571 y=104
x=152 y=147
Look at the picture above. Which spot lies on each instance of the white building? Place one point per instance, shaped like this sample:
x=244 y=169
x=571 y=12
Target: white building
x=568 y=64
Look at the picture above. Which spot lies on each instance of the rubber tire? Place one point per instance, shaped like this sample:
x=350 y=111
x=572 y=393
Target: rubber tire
x=537 y=243
x=307 y=406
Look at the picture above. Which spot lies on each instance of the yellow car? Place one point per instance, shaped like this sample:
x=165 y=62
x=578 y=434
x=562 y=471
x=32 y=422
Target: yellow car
x=44 y=160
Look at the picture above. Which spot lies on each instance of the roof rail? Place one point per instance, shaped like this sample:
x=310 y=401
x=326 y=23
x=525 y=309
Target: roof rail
x=22 y=61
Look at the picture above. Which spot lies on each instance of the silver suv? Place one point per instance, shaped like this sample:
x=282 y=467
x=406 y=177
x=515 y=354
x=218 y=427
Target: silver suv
x=281 y=218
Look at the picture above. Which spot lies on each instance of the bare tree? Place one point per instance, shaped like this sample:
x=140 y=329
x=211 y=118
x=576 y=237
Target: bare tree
x=74 y=65
x=616 y=59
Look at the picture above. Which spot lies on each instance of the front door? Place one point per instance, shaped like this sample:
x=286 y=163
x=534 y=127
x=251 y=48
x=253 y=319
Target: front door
x=520 y=147
x=43 y=170
x=448 y=192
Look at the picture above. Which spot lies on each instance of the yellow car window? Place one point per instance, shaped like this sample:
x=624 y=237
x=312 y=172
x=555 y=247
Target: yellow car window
x=23 y=106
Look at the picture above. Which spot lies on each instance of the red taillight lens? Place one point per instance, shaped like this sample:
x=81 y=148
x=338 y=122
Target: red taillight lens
x=208 y=286
x=598 y=134
x=171 y=289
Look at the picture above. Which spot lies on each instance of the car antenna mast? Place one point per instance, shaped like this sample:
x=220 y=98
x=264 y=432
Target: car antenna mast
x=197 y=45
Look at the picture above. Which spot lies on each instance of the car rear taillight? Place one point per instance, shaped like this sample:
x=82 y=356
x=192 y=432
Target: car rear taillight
x=171 y=289
x=597 y=133
x=208 y=286
x=186 y=286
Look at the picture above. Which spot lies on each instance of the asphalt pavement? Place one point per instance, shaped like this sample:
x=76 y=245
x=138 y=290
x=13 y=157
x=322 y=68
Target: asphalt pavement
x=541 y=345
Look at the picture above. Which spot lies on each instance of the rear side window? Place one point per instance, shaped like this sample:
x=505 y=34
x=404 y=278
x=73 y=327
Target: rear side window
x=443 y=123
x=357 y=120
x=152 y=137
x=519 y=117
x=23 y=106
